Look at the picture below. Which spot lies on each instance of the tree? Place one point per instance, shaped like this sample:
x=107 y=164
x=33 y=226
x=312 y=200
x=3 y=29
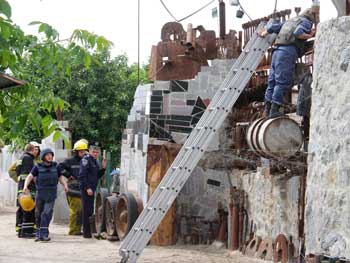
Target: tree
x=50 y=59
x=100 y=98
x=75 y=76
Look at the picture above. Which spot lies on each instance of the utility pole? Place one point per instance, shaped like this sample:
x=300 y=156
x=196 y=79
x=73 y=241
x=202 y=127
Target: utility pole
x=138 y=42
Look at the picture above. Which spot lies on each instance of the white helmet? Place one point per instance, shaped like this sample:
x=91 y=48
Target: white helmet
x=35 y=144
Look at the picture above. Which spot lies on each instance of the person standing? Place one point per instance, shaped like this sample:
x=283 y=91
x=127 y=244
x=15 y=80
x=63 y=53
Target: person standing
x=89 y=174
x=25 y=220
x=47 y=175
x=36 y=152
x=70 y=169
x=289 y=45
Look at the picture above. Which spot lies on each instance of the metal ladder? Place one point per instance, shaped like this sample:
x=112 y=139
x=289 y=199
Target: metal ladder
x=195 y=146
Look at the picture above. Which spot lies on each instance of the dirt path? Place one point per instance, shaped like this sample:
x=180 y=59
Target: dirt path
x=64 y=248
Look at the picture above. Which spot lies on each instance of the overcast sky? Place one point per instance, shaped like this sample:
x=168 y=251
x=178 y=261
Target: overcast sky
x=117 y=19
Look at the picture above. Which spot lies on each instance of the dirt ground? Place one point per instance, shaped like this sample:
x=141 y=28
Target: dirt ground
x=65 y=248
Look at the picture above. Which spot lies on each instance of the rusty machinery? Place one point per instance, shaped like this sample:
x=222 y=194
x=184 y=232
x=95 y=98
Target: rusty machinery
x=115 y=214
x=181 y=53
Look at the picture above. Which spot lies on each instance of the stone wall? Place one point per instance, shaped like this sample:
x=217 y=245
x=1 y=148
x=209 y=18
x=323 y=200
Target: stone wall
x=327 y=212
x=272 y=203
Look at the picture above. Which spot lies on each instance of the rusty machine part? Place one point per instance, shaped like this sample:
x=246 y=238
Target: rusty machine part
x=253 y=246
x=128 y=208
x=172 y=31
x=241 y=219
x=234 y=227
x=234 y=211
x=110 y=208
x=180 y=54
x=222 y=235
x=100 y=220
x=222 y=17
x=265 y=250
x=275 y=138
x=280 y=253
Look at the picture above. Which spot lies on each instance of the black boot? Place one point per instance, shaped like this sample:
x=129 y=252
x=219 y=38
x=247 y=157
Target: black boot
x=267 y=108
x=276 y=111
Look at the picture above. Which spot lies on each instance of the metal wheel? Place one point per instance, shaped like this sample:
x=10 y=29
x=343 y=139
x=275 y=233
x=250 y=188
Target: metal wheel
x=100 y=221
x=110 y=207
x=127 y=211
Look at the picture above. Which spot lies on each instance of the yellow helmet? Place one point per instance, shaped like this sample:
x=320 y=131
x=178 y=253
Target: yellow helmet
x=26 y=202
x=84 y=140
x=80 y=146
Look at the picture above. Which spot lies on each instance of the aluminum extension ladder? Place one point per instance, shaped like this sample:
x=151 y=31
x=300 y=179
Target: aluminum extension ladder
x=195 y=146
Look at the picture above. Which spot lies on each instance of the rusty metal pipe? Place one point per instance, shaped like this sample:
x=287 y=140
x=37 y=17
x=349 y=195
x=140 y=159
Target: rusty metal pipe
x=238 y=137
x=240 y=42
x=222 y=15
x=240 y=226
x=241 y=238
x=234 y=227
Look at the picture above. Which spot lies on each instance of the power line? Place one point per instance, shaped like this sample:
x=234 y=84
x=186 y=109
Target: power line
x=239 y=2
x=188 y=16
x=195 y=12
x=169 y=12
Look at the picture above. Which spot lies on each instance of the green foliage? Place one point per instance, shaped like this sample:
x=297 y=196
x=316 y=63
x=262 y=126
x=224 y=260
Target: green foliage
x=75 y=76
x=100 y=98
x=44 y=64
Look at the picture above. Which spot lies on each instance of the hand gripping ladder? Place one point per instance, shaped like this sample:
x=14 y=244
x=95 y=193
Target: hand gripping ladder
x=195 y=146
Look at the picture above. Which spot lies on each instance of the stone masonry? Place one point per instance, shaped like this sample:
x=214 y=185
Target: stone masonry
x=327 y=222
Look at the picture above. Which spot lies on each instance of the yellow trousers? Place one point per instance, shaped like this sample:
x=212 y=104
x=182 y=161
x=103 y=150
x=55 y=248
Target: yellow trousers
x=75 y=215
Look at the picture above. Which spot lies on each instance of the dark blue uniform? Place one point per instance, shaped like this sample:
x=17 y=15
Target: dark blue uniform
x=89 y=174
x=70 y=169
x=283 y=64
x=46 y=181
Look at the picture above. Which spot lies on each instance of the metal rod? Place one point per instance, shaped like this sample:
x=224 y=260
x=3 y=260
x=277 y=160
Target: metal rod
x=222 y=15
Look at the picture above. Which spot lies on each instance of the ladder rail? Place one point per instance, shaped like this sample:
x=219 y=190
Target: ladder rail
x=177 y=178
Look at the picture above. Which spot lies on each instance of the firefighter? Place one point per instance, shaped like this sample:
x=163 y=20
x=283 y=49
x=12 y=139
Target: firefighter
x=25 y=220
x=36 y=152
x=70 y=169
x=289 y=45
x=47 y=175
x=89 y=174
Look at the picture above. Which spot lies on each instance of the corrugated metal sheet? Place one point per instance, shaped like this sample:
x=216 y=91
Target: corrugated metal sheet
x=7 y=81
